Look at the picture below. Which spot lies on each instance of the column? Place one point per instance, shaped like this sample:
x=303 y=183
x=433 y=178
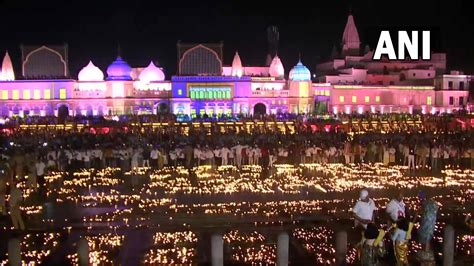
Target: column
x=283 y=245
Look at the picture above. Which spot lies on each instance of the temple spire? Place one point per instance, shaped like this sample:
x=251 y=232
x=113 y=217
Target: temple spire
x=237 y=69
x=350 y=38
x=7 y=73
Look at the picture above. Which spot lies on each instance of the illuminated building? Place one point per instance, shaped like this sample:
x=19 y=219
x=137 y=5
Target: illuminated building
x=351 y=82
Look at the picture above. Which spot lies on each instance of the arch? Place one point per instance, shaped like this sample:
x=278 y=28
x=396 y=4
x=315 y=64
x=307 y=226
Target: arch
x=199 y=60
x=63 y=111
x=48 y=110
x=49 y=50
x=259 y=109
x=36 y=110
x=100 y=110
x=162 y=108
x=5 y=110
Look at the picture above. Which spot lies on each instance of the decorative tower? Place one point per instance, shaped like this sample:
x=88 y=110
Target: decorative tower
x=276 y=68
x=7 y=73
x=237 y=69
x=350 y=38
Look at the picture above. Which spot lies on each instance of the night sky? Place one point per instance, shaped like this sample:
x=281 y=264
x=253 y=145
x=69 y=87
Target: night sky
x=149 y=30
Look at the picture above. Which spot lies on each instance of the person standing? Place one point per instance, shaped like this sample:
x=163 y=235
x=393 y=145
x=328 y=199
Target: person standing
x=363 y=211
x=434 y=158
x=40 y=166
x=188 y=155
x=154 y=154
x=411 y=158
x=429 y=211
x=400 y=238
x=146 y=157
x=225 y=155
x=15 y=212
x=396 y=209
x=238 y=154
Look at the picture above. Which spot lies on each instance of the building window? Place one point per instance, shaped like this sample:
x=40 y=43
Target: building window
x=461 y=85
x=451 y=100
x=429 y=74
x=15 y=95
x=327 y=93
x=62 y=94
x=36 y=94
x=461 y=100
x=392 y=83
x=367 y=99
x=354 y=99
x=4 y=95
x=450 y=85
x=377 y=99
x=341 y=99
x=180 y=92
x=26 y=94
x=414 y=74
x=47 y=94
x=429 y=100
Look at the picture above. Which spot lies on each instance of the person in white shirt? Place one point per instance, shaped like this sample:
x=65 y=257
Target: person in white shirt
x=396 y=209
x=154 y=157
x=135 y=157
x=217 y=156
x=363 y=211
x=173 y=157
x=238 y=154
x=250 y=155
x=232 y=157
x=210 y=156
x=225 y=152
x=316 y=157
x=257 y=153
x=87 y=159
x=308 y=154
x=434 y=158
x=197 y=155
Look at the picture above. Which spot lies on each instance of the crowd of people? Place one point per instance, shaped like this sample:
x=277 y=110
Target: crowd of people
x=135 y=146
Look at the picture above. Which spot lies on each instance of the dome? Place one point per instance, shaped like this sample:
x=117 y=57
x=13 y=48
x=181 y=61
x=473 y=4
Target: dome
x=300 y=72
x=119 y=70
x=151 y=73
x=90 y=73
x=276 y=68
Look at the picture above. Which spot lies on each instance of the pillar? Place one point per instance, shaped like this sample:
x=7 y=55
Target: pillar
x=83 y=252
x=14 y=252
x=341 y=247
x=448 y=246
x=283 y=245
x=217 y=250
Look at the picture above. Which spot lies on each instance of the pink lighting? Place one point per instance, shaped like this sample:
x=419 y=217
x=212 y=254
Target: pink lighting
x=151 y=73
x=6 y=73
x=91 y=73
x=348 y=109
x=276 y=68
